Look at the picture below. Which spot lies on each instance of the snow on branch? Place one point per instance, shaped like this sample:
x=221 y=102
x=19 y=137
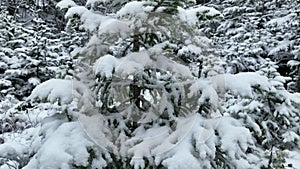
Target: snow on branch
x=242 y=83
x=131 y=8
x=137 y=62
x=65 y=4
x=53 y=90
x=66 y=144
x=193 y=15
x=90 y=21
x=58 y=90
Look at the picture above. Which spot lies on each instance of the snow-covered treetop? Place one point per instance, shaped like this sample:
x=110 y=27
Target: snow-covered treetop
x=135 y=9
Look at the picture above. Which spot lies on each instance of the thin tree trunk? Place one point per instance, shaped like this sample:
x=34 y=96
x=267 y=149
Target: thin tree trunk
x=136 y=42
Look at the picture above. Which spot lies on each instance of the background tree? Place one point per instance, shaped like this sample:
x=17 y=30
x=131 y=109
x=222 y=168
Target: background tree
x=256 y=31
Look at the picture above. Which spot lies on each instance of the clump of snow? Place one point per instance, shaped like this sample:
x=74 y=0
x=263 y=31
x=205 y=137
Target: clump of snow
x=17 y=147
x=209 y=11
x=90 y=20
x=191 y=15
x=64 y=92
x=150 y=138
x=76 y=10
x=3 y=65
x=162 y=142
x=293 y=63
x=242 y=83
x=105 y=65
x=183 y=159
x=114 y=26
x=131 y=8
x=34 y=81
x=67 y=144
x=190 y=48
x=53 y=90
x=294 y=97
x=235 y=139
x=65 y=4
x=6 y=150
x=290 y=136
x=208 y=93
x=133 y=63
x=5 y=83
x=93 y=125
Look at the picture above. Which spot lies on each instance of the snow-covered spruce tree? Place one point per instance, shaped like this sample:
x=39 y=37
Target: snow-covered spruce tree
x=136 y=54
